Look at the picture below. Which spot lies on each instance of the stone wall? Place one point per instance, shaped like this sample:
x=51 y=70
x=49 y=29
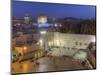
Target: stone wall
x=70 y=40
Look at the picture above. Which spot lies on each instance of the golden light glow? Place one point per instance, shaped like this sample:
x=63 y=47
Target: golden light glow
x=42 y=19
x=21 y=49
x=25 y=48
x=57 y=43
x=41 y=42
x=18 y=48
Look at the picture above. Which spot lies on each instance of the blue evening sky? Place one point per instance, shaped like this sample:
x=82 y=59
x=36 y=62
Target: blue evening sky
x=20 y=8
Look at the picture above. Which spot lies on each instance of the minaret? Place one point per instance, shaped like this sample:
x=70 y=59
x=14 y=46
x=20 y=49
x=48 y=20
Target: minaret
x=27 y=19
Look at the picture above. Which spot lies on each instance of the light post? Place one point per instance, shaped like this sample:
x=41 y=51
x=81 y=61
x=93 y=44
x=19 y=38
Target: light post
x=24 y=49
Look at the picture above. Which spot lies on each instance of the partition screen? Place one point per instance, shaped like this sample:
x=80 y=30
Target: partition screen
x=52 y=37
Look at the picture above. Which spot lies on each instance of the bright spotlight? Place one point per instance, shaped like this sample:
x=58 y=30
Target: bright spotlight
x=56 y=25
x=41 y=42
x=93 y=39
x=43 y=32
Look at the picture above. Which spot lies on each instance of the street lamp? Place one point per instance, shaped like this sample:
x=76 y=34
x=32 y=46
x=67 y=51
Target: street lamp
x=24 y=49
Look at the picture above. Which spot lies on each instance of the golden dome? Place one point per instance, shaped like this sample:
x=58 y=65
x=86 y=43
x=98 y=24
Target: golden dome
x=42 y=19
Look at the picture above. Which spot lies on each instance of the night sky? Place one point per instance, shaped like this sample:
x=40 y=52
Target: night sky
x=20 y=8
